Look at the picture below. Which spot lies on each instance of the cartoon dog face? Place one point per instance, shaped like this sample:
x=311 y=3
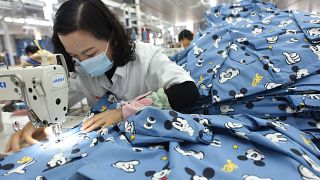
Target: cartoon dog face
x=178 y=123
x=207 y=173
x=314 y=32
x=272 y=40
x=229 y=74
x=306 y=174
x=149 y=123
x=253 y=155
x=160 y=175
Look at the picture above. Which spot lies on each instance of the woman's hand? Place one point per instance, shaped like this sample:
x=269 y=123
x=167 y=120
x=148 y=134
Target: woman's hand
x=102 y=120
x=28 y=134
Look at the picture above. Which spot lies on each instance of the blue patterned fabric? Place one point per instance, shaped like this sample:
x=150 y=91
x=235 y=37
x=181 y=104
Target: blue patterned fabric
x=257 y=69
x=158 y=144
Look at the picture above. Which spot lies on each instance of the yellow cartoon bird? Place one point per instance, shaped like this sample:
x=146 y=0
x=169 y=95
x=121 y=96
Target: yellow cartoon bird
x=24 y=160
x=229 y=166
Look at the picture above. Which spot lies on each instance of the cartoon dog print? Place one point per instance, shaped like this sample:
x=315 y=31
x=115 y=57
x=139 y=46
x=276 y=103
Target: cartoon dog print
x=127 y=166
x=224 y=53
x=149 y=123
x=253 y=155
x=284 y=23
x=276 y=138
x=292 y=40
x=292 y=58
x=129 y=127
x=257 y=30
x=198 y=155
x=198 y=51
x=313 y=164
x=306 y=174
x=273 y=39
x=216 y=142
x=314 y=48
x=216 y=40
x=242 y=93
x=178 y=123
x=314 y=32
x=225 y=109
x=27 y=161
x=160 y=175
x=272 y=85
x=243 y=40
x=228 y=74
x=207 y=174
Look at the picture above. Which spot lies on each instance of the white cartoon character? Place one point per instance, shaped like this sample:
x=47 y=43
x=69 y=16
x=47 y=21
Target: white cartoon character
x=233 y=125
x=257 y=30
x=276 y=138
x=313 y=164
x=273 y=39
x=198 y=155
x=253 y=155
x=216 y=40
x=279 y=124
x=251 y=177
x=207 y=174
x=112 y=98
x=306 y=174
x=161 y=175
x=225 y=109
x=127 y=166
x=288 y=31
x=198 y=51
x=229 y=74
x=199 y=62
x=129 y=127
x=21 y=169
x=271 y=85
x=224 y=53
x=149 y=123
x=292 y=58
x=284 y=23
x=293 y=40
x=57 y=160
x=214 y=70
x=302 y=73
x=314 y=32
x=243 y=40
x=178 y=123
x=216 y=143
x=316 y=49
x=233 y=46
x=266 y=21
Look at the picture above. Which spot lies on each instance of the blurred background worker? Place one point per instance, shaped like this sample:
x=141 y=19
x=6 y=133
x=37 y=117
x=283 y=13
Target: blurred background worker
x=185 y=38
x=35 y=56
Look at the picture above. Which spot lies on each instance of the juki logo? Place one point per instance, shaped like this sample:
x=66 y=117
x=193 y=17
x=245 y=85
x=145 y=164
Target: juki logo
x=3 y=85
x=57 y=80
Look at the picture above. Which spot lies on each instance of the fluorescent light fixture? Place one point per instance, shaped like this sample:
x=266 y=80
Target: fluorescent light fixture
x=18 y=20
x=8 y=19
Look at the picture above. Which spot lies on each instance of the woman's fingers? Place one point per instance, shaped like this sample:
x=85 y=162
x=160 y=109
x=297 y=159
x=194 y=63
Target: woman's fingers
x=98 y=123
x=27 y=134
x=89 y=122
x=14 y=142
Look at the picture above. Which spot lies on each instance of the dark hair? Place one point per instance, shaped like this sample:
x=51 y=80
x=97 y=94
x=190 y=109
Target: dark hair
x=94 y=17
x=185 y=34
x=31 y=49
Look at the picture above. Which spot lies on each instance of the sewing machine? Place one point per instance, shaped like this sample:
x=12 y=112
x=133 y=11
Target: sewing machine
x=44 y=89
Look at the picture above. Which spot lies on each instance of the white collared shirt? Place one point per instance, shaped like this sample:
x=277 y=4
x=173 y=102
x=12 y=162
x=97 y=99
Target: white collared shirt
x=150 y=71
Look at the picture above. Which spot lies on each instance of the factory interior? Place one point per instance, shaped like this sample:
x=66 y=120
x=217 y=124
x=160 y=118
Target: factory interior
x=160 y=89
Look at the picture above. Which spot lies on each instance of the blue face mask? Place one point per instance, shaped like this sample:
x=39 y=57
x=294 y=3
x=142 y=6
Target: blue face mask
x=97 y=65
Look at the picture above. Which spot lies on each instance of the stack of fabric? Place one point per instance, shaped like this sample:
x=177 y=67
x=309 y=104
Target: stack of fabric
x=256 y=68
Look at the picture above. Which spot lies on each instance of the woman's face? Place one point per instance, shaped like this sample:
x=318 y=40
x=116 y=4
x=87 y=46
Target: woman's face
x=83 y=45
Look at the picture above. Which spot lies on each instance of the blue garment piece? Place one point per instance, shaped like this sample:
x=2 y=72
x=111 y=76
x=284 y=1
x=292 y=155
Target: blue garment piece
x=165 y=144
x=33 y=62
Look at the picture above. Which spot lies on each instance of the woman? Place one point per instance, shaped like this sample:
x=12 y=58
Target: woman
x=101 y=58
